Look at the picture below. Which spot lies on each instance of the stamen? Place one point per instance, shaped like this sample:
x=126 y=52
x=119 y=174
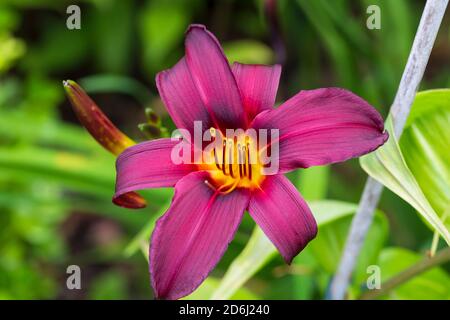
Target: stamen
x=210 y=185
x=230 y=187
x=236 y=155
x=230 y=157
x=239 y=159
x=244 y=165
x=224 y=152
x=249 y=162
x=216 y=159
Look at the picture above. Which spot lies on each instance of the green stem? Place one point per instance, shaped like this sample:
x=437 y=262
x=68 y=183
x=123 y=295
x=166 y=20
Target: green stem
x=441 y=257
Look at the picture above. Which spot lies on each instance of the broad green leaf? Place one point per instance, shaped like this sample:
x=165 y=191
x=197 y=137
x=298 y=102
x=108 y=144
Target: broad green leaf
x=259 y=250
x=425 y=144
x=432 y=284
x=388 y=166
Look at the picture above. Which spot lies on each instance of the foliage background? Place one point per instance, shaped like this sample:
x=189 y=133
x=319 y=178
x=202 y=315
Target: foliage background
x=56 y=183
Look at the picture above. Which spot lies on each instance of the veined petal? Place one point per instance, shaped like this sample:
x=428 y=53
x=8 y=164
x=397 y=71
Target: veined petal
x=283 y=215
x=213 y=78
x=258 y=85
x=191 y=237
x=148 y=165
x=323 y=126
x=183 y=102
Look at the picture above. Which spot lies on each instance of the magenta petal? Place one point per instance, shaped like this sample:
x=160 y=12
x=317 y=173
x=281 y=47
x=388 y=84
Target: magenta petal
x=213 y=77
x=258 y=85
x=283 y=215
x=191 y=237
x=148 y=165
x=179 y=93
x=323 y=126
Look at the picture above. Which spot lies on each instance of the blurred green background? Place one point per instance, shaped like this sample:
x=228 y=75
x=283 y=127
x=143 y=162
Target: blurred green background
x=56 y=183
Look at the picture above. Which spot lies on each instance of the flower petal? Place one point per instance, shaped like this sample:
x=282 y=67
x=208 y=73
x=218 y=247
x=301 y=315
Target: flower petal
x=191 y=237
x=148 y=165
x=179 y=93
x=323 y=126
x=283 y=215
x=258 y=85
x=213 y=77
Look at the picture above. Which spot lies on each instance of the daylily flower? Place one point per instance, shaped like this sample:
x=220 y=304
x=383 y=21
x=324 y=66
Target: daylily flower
x=316 y=127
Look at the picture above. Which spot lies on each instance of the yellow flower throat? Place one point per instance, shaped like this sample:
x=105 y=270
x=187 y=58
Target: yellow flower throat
x=233 y=163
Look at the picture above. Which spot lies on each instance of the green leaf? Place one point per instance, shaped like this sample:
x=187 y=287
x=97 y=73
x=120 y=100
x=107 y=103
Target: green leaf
x=432 y=284
x=259 y=250
x=425 y=144
x=388 y=166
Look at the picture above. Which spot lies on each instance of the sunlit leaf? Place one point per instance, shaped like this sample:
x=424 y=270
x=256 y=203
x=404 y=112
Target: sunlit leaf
x=425 y=144
x=388 y=166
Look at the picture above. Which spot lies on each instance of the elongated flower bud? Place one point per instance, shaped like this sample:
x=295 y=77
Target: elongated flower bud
x=103 y=131
x=95 y=121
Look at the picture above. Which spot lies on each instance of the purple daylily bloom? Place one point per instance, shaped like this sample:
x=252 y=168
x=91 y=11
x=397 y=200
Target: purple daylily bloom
x=316 y=127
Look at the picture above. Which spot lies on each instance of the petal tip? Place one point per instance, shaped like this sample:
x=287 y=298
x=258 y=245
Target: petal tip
x=194 y=26
x=130 y=200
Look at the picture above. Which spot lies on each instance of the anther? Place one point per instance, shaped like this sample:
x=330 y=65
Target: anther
x=210 y=185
